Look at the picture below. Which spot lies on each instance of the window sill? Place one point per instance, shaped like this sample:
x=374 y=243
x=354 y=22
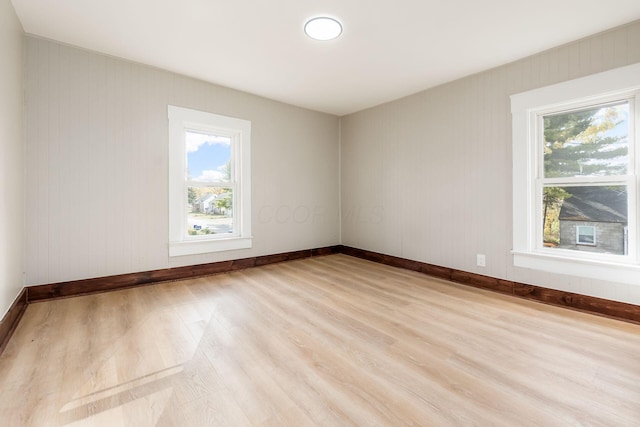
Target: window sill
x=206 y=246
x=594 y=269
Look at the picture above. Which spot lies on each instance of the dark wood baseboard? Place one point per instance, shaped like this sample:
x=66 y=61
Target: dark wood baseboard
x=123 y=281
x=10 y=321
x=593 y=305
x=599 y=306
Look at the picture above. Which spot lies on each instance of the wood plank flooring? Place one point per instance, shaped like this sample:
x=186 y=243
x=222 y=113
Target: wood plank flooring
x=331 y=341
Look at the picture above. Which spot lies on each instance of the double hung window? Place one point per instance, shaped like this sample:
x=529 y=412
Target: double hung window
x=575 y=176
x=210 y=182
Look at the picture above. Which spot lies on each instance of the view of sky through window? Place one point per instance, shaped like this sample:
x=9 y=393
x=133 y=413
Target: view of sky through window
x=208 y=157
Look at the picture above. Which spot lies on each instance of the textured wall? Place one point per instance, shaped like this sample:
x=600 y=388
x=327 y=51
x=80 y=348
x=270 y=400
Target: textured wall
x=428 y=177
x=11 y=157
x=97 y=164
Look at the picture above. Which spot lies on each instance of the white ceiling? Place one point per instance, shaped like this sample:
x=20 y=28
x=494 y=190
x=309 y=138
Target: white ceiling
x=389 y=49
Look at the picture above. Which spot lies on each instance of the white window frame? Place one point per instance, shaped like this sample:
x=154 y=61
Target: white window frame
x=578 y=234
x=239 y=130
x=527 y=109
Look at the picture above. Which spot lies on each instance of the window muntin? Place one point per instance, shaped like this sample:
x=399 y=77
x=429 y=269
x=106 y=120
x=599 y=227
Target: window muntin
x=210 y=182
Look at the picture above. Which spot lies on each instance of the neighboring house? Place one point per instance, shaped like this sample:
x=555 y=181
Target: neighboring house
x=594 y=219
x=207 y=204
x=204 y=204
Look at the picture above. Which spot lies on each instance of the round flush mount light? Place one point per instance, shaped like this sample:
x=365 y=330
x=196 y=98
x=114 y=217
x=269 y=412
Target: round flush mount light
x=323 y=28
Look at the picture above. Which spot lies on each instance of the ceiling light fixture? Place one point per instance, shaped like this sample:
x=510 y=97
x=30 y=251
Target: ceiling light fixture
x=323 y=28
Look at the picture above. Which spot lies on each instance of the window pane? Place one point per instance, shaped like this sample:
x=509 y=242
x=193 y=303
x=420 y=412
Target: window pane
x=208 y=157
x=209 y=211
x=591 y=142
x=592 y=218
x=586 y=235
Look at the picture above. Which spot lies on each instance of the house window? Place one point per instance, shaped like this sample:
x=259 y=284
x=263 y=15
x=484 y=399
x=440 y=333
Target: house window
x=575 y=182
x=209 y=182
x=586 y=235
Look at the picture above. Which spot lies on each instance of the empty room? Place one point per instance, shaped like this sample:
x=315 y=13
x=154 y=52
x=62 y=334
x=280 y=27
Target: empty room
x=338 y=213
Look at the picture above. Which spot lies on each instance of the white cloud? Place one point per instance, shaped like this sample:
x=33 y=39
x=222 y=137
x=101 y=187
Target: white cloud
x=194 y=140
x=210 y=176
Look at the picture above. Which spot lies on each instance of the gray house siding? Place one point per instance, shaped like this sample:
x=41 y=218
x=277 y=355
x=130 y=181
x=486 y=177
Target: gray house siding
x=601 y=207
x=609 y=236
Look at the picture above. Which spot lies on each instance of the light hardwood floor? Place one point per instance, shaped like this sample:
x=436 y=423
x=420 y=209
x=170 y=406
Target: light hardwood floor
x=331 y=341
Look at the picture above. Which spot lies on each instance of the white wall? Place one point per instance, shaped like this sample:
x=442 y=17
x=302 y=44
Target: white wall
x=11 y=157
x=97 y=156
x=428 y=177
